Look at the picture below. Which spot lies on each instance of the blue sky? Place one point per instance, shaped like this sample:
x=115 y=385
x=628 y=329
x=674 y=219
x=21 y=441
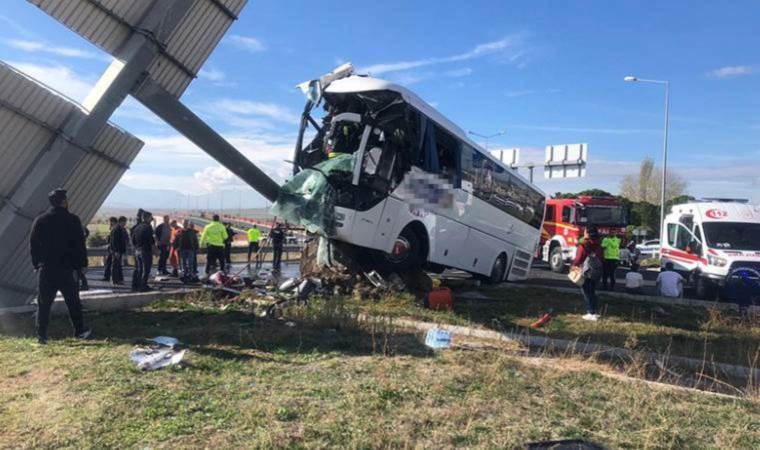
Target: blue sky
x=547 y=72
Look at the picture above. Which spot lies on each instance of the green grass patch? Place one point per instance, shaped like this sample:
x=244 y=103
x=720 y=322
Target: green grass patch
x=328 y=381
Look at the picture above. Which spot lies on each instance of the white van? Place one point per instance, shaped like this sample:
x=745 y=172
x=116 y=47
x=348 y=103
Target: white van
x=710 y=241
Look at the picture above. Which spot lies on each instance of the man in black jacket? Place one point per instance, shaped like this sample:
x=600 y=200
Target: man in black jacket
x=117 y=247
x=138 y=221
x=108 y=266
x=144 y=242
x=58 y=250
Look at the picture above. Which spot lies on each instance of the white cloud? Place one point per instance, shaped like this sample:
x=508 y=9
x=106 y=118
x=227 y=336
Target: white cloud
x=515 y=94
x=477 y=52
x=562 y=129
x=412 y=77
x=246 y=43
x=248 y=107
x=58 y=77
x=42 y=47
x=213 y=75
x=730 y=71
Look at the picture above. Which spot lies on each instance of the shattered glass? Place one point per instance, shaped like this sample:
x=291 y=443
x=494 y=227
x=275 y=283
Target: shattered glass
x=308 y=199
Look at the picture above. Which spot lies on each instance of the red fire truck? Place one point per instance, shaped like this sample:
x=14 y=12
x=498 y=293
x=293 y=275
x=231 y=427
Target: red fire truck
x=565 y=220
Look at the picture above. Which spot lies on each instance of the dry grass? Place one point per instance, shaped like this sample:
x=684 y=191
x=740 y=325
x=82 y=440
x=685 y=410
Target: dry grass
x=330 y=381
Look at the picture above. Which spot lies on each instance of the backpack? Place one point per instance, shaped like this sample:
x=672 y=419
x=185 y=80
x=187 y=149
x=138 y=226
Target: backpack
x=592 y=267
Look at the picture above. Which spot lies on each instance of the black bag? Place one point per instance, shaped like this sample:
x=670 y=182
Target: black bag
x=592 y=267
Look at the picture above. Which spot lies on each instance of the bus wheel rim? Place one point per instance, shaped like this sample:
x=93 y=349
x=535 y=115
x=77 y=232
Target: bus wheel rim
x=400 y=251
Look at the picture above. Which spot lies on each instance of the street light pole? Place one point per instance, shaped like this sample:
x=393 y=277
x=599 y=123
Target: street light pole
x=489 y=137
x=664 y=143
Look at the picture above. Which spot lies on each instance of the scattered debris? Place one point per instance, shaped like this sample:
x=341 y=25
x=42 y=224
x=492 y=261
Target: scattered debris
x=157 y=353
x=544 y=319
x=437 y=338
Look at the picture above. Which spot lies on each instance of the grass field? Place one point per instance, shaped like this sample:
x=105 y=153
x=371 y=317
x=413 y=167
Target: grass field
x=329 y=381
x=720 y=336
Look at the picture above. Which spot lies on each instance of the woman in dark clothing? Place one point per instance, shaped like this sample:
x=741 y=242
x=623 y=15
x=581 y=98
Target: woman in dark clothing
x=589 y=258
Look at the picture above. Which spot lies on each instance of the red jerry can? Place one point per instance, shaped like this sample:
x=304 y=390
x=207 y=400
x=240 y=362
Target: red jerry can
x=440 y=298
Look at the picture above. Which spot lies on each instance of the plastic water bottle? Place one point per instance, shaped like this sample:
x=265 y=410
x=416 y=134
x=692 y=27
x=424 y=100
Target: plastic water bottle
x=438 y=338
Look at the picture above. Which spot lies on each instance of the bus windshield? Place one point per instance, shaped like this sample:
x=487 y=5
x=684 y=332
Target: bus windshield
x=733 y=235
x=603 y=215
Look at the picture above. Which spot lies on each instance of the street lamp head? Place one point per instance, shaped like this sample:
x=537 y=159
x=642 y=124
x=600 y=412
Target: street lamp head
x=630 y=78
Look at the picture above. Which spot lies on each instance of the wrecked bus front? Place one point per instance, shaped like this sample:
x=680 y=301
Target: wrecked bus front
x=383 y=170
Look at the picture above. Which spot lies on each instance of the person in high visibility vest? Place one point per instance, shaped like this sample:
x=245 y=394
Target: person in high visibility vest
x=611 y=247
x=213 y=237
x=254 y=236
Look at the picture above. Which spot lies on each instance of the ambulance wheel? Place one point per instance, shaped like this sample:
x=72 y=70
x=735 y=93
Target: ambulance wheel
x=706 y=289
x=556 y=262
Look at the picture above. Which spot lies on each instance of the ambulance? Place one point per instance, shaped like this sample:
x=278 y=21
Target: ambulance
x=713 y=243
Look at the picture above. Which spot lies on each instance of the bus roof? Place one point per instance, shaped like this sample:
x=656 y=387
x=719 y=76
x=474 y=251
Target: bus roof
x=357 y=83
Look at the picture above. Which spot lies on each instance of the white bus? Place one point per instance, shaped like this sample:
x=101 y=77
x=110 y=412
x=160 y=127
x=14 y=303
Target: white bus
x=407 y=184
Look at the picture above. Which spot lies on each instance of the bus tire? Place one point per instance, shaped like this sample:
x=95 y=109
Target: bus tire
x=411 y=258
x=556 y=262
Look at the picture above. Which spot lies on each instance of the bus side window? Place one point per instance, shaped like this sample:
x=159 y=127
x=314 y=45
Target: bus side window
x=672 y=232
x=448 y=156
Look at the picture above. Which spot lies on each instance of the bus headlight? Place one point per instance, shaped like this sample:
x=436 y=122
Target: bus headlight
x=716 y=261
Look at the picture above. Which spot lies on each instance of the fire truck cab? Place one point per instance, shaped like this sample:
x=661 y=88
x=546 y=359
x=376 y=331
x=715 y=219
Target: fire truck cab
x=565 y=220
x=713 y=243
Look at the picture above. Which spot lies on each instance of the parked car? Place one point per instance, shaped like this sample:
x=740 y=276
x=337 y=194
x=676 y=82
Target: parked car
x=649 y=249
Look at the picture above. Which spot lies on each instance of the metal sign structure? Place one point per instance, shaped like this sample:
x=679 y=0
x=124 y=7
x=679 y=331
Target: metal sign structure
x=509 y=156
x=159 y=47
x=565 y=161
x=32 y=117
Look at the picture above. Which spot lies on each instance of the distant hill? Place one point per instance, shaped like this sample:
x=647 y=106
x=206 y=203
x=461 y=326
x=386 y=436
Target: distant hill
x=130 y=198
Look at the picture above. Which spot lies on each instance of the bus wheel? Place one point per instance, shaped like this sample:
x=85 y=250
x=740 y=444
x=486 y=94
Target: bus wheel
x=556 y=262
x=406 y=252
x=498 y=269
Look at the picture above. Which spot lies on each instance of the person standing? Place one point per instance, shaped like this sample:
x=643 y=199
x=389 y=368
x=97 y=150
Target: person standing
x=213 y=238
x=174 y=251
x=144 y=242
x=277 y=237
x=228 y=243
x=138 y=221
x=117 y=247
x=188 y=251
x=254 y=236
x=58 y=250
x=107 y=267
x=163 y=241
x=589 y=258
x=611 y=250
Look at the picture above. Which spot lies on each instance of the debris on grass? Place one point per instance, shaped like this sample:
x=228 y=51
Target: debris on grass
x=157 y=353
x=438 y=338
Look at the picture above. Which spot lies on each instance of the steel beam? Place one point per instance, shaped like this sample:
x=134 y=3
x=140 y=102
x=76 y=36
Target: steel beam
x=173 y=112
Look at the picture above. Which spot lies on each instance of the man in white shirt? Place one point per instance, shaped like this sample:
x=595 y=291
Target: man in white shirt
x=634 y=281
x=670 y=282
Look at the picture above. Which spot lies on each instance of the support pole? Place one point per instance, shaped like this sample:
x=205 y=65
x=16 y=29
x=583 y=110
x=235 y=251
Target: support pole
x=173 y=112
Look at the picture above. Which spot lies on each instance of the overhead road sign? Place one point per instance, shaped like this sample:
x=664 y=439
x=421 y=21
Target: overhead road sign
x=31 y=117
x=565 y=161
x=181 y=50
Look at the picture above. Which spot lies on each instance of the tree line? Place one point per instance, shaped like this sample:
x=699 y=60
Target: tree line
x=640 y=193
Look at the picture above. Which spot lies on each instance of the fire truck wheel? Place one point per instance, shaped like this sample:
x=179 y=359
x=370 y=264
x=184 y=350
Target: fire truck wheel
x=556 y=263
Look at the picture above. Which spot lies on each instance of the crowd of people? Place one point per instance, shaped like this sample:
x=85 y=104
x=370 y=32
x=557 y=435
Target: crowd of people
x=59 y=254
x=598 y=258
